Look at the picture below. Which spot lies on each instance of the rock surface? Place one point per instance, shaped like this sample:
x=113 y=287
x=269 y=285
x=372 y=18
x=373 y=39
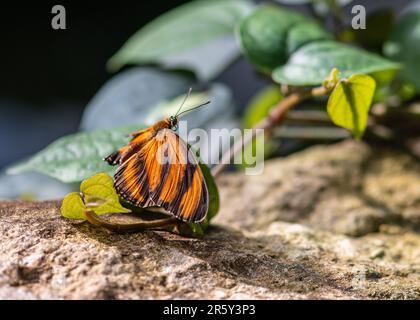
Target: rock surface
x=337 y=221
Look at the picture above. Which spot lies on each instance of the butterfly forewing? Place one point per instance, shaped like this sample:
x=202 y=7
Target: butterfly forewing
x=164 y=172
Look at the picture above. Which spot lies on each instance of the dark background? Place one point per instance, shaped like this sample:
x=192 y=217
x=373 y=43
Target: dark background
x=48 y=76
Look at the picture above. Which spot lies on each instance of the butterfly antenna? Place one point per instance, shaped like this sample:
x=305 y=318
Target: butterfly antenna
x=199 y=106
x=183 y=102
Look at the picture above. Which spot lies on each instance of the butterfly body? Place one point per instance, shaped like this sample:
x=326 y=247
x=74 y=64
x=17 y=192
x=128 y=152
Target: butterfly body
x=157 y=168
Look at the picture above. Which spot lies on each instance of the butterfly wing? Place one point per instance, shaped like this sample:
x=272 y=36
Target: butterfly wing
x=164 y=172
x=138 y=140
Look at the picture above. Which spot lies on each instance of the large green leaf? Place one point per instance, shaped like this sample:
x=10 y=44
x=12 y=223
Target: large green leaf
x=131 y=95
x=312 y=63
x=349 y=103
x=26 y=186
x=78 y=156
x=270 y=34
x=190 y=36
x=404 y=45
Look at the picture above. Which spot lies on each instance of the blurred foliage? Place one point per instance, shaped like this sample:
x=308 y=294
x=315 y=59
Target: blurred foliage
x=270 y=34
x=189 y=36
x=403 y=45
x=312 y=63
x=194 y=43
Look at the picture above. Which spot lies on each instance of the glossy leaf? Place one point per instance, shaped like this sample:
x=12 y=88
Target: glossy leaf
x=270 y=34
x=312 y=63
x=189 y=36
x=350 y=101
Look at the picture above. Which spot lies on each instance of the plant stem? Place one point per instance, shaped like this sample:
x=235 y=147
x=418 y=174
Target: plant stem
x=275 y=117
x=96 y=220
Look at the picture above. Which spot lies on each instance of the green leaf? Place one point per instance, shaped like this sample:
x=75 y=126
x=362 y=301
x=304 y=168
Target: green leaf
x=312 y=63
x=189 y=36
x=78 y=156
x=294 y=2
x=214 y=202
x=102 y=185
x=73 y=207
x=403 y=46
x=349 y=103
x=270 y=34
x=257 y=109
x=131 y=95
x=26 y=185
x=260 y=105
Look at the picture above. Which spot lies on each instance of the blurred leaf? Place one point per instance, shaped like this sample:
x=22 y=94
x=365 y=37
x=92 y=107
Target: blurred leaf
x=305 y=32
x=260 y=105
x=26 y=185
x=326 y=2
x=197 y=36
x=324 y=7
x=294 y=2
x=214 y=202
x=378 y=28
x=270 y=34
x=350 y=101
x=146 y=95
x=78 y=156
x=73 y=207
x=130 y=95
x=312 y=63
x=257 y=109
x=404 y=45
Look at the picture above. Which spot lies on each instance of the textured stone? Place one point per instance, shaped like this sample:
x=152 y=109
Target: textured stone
x=335 y=221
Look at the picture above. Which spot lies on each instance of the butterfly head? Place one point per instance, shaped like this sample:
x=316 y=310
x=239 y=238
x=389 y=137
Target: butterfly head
x=173 y=122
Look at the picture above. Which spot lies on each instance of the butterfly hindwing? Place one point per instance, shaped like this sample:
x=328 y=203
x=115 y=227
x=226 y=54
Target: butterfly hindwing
x=164 y=172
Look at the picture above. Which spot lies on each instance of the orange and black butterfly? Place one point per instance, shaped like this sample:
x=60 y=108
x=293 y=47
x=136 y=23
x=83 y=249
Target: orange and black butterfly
x=157 y=168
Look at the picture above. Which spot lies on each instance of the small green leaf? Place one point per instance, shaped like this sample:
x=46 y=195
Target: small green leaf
x=349 y=103
x=312 y=63
x=102 y=185
x=270 y=34
x=78 y=156
x=98 y=191
x=189 y=36
x=73 y=207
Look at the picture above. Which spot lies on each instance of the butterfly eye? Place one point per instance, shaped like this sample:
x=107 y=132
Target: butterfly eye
x=174 y=123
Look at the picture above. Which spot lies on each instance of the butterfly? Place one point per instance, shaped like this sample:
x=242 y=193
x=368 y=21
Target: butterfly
x=157 y=168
